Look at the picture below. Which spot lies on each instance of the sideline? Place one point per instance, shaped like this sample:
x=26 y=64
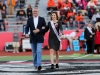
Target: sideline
x=83 y=56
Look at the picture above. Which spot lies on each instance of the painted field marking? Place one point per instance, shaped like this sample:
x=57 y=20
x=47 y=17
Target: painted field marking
x=3 y=56
x=83 y=56
x=96 y=55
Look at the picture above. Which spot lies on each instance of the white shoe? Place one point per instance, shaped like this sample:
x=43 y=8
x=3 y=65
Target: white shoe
x=17 y=51
x=13 y=51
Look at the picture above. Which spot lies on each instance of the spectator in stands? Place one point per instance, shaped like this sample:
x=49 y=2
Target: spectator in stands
x=51 y=5
x=63 y=19
x=59 y=4
x=82 y=4
x=2 y=5
x=68 y=4
x=91 y=3
x=3 y=8
x=2 y=20
x=96 y=2
x=89 y=38
x=91 y=12
x=94 y=17
x=11 y=4
x=97 y=39
x=71 y=24
x=70 y=14
x=16 y=44
x=80 y=20
x=72 y=36
x=54 y=42
x=29 y=11
x=21 y=15
x=22 y=3
x=17 y=3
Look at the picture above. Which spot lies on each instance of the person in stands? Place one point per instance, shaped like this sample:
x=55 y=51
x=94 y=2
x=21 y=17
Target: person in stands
x=11 y=4
x=21 y=16
x=29 y=11
x=16 y=44
x=2 y=20
x=51 y=5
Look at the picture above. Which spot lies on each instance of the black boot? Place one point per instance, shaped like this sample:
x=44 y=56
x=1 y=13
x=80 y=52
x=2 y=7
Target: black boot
x=57 y=66
x=52 y=66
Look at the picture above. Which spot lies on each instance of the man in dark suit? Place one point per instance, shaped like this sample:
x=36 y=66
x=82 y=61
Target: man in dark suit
x=37 y=25
x=89 y=38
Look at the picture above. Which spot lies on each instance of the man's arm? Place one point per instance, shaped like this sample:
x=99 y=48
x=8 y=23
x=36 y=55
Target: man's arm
x=27 y=28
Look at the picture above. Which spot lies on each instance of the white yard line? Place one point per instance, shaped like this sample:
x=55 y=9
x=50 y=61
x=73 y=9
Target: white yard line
x=3 y=56
x=83 y=56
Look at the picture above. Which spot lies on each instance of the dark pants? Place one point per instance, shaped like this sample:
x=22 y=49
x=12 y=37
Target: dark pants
x=51 y=8
x=2 y=23
x=90 y=46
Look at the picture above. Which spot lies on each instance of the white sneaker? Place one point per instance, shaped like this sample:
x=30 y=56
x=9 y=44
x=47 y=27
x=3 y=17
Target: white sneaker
x=13 y=51
x=17 y=51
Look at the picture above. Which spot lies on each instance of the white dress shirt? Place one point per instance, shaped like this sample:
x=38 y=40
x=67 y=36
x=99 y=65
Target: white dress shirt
x=36 y=21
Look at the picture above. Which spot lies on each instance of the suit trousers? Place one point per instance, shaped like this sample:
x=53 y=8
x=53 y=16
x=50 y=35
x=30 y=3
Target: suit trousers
x=90 y=46
x=37 y=53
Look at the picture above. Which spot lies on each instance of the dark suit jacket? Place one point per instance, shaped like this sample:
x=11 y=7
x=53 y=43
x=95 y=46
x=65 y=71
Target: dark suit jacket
x=87 y=34
x=39 y=37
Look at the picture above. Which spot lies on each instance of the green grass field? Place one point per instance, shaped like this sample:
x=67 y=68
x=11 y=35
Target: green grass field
x=47 y=57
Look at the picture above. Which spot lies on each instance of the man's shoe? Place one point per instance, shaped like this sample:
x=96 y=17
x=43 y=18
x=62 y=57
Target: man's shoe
x=39 y=68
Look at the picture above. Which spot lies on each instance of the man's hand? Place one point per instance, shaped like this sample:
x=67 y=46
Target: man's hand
x=85 y=40
x=43 y=27
x=60 y=34
x=90 y=36
x=36 y=31
x=27 y=35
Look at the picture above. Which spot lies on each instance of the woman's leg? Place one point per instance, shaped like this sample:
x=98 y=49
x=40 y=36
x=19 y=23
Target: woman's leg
x=52 y=58
x=57 y=57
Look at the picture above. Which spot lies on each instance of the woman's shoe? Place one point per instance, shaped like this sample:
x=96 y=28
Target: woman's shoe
x=52 y=66
x=57 y=66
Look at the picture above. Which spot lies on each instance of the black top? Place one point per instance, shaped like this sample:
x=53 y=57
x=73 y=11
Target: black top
x=1 y=7
x=21 y=13
x=29 y=11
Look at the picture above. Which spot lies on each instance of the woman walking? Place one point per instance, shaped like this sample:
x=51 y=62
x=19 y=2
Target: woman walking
x=55 y=31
